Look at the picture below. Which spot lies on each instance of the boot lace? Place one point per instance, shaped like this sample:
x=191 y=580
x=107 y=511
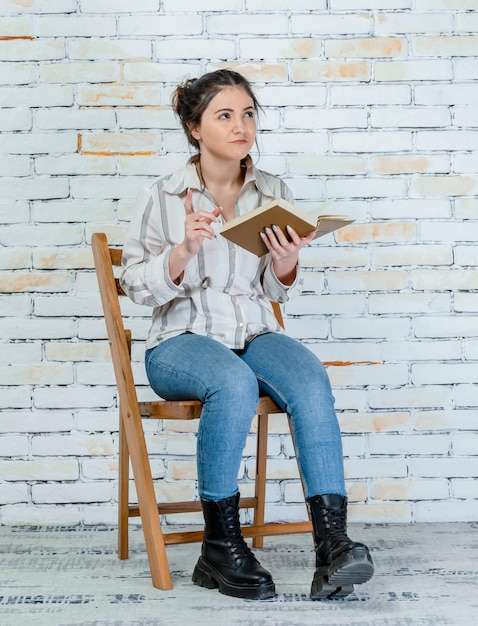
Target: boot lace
x=235 y=539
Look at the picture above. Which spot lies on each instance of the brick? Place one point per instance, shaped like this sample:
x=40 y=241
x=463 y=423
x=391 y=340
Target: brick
x=415 y=254
x=54 y=258
x=283 y=48
x=159 y=24
x=48 y=95
x=71 y=72
x=14 y=166
x=15 y=119
x=464 y=444
x=99 y=49
x=15 y=74
x=256 y=72
x=371 y=94
x=465 y=116
x=403 y=444
x=121 y=143
x=440 y=45
x=35 y=422
x=19 y=143
x=436 y=489
x=47 y=469
x=446 y=94
x=372 y=468
x=231 y=24
x=374 y=422
x=424 y=397
x=21 y=515
x=38 y=6
x=413 y=22
x=74 y=26
x=364 y=188
x=75 y=164
x=72 y=397
x=343 y=328
x=42 y=374
x=78 y=445
x=13 y=493
x=159 y=72
x=386 y=232
x=118 y=6
x=26 y=281
x=25 y=328
x=323 y=117
x=402 y=117
x=372 y=48
x=465 y=302
x=14 y=305
x=13 y=445
x=334 y=71
x=206 y=5
x=66 y=119
x=442 y=280
x=334 y=24
x=108 y=95
x=35 y=50
x=73 y=211
x=105 y=187
x=368 y=374
x=367 y=281
x=442 y=512
x=67 y=494
x=402 y=209
x=20 y=352
x=410 y=164
x=421 y=350
x=194 y=48
x=408 y=303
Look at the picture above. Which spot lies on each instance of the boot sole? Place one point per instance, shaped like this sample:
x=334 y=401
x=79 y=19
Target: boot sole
x=336 y=581
x=206 y=575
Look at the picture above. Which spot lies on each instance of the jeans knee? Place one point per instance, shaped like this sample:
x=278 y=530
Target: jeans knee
x=236 y=383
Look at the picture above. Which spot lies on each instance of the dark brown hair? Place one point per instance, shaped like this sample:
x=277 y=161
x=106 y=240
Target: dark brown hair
x=191 y=98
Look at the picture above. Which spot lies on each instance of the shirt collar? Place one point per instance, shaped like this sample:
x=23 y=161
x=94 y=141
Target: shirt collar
x=187 y=178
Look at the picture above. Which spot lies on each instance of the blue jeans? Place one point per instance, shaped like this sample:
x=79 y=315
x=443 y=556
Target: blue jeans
x=228 y=382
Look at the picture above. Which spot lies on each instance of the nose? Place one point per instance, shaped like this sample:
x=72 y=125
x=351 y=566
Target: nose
x=239 y=126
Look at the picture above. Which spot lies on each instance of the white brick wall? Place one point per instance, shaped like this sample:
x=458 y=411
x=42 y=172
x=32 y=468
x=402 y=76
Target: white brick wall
x=373 y=103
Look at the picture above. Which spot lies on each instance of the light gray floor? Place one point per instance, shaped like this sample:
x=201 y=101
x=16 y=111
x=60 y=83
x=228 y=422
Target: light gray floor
x=426 y=574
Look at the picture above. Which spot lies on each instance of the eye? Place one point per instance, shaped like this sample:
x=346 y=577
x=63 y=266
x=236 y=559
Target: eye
x=250 y=114
x=224 y=116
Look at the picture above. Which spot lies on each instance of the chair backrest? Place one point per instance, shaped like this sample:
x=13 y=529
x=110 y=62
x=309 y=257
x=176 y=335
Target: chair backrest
x=120 y=342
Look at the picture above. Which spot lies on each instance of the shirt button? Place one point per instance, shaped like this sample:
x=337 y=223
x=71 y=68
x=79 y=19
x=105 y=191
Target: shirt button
x=241 y=324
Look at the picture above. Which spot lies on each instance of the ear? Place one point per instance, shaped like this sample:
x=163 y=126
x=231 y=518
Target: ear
x=194 y=130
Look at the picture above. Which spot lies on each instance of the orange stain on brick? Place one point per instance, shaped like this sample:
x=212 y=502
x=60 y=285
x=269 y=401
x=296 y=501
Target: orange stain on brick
x=25 y=282
x=401 y=164
x=346 y=363
x=397 y=231
x=111 y=152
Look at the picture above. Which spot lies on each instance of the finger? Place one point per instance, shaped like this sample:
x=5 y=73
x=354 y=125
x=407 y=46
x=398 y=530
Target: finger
x=188 y=203
x=281 y=238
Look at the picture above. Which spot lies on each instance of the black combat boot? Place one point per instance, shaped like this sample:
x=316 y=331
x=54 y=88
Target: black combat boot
x=340 y=562
x=226 y=562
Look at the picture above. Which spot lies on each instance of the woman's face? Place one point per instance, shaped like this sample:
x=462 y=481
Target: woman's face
x=227 y=130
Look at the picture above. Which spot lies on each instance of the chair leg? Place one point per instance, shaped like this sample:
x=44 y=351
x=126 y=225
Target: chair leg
x=260 y=486
x=123 y=493
x=148 y=507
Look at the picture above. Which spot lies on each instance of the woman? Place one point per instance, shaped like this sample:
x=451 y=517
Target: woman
x=214 y=336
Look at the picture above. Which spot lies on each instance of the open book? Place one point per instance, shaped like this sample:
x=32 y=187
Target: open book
x=244 y=230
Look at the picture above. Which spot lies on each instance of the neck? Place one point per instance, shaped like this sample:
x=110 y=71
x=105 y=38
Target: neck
x=219 y=174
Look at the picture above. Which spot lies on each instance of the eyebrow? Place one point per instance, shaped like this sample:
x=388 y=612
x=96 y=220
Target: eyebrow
x=249 y=108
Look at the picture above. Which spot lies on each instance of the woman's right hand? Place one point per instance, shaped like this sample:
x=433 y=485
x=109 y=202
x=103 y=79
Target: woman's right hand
x=197 y=227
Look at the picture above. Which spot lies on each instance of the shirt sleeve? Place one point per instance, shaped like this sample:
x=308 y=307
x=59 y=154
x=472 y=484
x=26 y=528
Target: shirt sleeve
x=145 y=274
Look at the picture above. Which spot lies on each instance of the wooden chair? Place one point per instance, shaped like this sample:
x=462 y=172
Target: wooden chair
x=132 y=441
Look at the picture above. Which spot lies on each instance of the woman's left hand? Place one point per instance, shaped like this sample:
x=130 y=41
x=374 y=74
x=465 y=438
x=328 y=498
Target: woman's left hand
x=285 y=251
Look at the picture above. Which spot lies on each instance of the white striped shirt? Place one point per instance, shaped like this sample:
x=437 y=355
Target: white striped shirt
x=225 y=292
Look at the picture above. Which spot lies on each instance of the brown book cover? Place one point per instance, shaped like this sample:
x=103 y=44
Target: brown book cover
x=244 y=230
